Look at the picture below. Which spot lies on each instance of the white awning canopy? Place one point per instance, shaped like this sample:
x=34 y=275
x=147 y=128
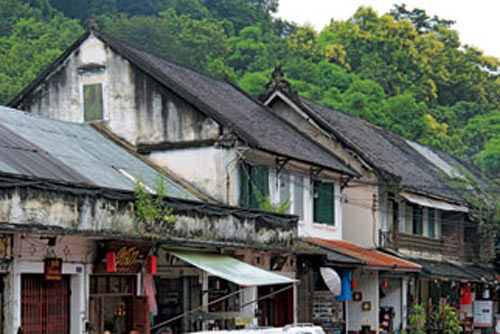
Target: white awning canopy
x=433 y=203
x=233 y=270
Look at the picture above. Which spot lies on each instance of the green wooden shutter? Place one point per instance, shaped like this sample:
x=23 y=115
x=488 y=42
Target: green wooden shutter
x=323 y=208
x=260 y=181
x=244 y=185
x=417 y=220
x=431 y=223
x=92 y=102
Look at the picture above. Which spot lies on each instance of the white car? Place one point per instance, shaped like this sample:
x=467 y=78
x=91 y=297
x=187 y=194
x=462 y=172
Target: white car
x=289 y=329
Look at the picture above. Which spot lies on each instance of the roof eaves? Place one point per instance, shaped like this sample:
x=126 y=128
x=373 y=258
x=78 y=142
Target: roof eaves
x=384 y=174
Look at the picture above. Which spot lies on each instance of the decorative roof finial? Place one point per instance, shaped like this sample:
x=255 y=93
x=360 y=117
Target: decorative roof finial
x=278 y=82
x=92 y=24
x=277 y=75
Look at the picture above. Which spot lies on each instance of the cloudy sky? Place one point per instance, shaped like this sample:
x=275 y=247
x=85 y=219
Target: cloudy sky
x=477 y=21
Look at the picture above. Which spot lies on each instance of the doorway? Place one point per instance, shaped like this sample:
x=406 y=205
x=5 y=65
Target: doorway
x=45 y=305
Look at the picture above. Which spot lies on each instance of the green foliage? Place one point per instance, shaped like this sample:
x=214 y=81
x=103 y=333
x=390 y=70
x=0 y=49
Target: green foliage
x=32 y=44
x=417 y=319
x=445 y=320
x=403 y=70
x=265 y=203
x=153 y=217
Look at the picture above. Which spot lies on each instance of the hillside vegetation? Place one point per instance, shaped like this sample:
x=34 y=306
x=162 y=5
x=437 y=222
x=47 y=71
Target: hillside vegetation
x=402 y=70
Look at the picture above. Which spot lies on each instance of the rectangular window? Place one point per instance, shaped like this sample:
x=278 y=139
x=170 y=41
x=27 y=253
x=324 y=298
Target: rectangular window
x=92 y=102
x=393 y=215
x=284 y=188
x=254 y=184
x=298 y=196
x=409 y=218
x=431 y=223
x=323 y=207
x=418 y=227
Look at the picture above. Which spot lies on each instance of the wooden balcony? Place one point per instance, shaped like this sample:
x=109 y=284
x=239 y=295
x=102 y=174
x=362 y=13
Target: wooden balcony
x=419 y=243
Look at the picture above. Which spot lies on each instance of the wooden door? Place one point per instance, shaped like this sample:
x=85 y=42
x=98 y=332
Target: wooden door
x=45 y=305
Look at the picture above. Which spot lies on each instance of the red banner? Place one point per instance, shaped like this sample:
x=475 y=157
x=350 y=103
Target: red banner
x=53 y=269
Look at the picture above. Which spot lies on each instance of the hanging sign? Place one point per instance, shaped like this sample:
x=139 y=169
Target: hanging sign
x=53 y=269
x=120 y=257
x=483 y=313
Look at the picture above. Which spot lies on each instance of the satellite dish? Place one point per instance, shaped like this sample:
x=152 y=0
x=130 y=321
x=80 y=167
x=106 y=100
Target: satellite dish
x=332 y=280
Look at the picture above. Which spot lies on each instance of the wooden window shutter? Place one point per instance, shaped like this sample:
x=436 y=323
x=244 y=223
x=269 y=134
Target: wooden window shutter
x=252 y=179
x=431 y=225
x=92 y=102
x=324 y=207
x=244 y=185
x=260 y=181
x=418 y=227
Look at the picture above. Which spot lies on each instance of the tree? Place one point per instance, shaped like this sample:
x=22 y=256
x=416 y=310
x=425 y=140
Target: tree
x=31 y=46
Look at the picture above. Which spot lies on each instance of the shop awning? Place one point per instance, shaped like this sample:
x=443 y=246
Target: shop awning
x=433 y=203
x=369 y=257
x=444 y=270
x=231 y=269
x=447 y=270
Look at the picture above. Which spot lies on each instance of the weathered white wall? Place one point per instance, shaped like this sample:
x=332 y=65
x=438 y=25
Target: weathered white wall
x=310 y=229
x=86 y=213
x=215 y=170
x=135 y=107
x=393 y=298
x=29 y=253
x=367 y=283
x=361 y=222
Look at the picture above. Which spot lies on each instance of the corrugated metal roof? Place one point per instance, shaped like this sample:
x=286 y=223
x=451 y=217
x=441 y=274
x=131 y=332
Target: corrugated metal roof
x=76 y=153
x=369 y=257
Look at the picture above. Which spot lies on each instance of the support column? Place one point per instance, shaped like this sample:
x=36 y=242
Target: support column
x=204 y=296
x=247 y=295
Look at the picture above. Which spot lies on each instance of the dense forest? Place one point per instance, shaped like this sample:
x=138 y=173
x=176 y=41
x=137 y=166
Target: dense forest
x=402 y=70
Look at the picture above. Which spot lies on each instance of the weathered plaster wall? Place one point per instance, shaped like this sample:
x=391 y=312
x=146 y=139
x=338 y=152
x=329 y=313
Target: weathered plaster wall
x=85 y=213
x=360 y=224
x=393 y=298
x=215 y=170
x=135 y=107
x=367 y=283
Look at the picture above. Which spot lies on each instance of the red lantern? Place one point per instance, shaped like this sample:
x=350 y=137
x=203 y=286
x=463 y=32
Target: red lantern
x=151 y=264
x=353 y=284
x=384 y=283
x=111 y=262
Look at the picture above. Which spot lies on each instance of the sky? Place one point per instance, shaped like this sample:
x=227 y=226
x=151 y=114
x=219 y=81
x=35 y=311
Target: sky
x=477 y=21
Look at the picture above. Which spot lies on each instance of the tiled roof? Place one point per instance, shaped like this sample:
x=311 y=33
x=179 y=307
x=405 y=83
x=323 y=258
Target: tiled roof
x=230 y=106
x=419 y=169
x=369 y=257
x=75 y=153
x=440 y=269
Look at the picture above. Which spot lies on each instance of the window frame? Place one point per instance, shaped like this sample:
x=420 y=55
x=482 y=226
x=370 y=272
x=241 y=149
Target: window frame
x=330 y=214
x=86 y=86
